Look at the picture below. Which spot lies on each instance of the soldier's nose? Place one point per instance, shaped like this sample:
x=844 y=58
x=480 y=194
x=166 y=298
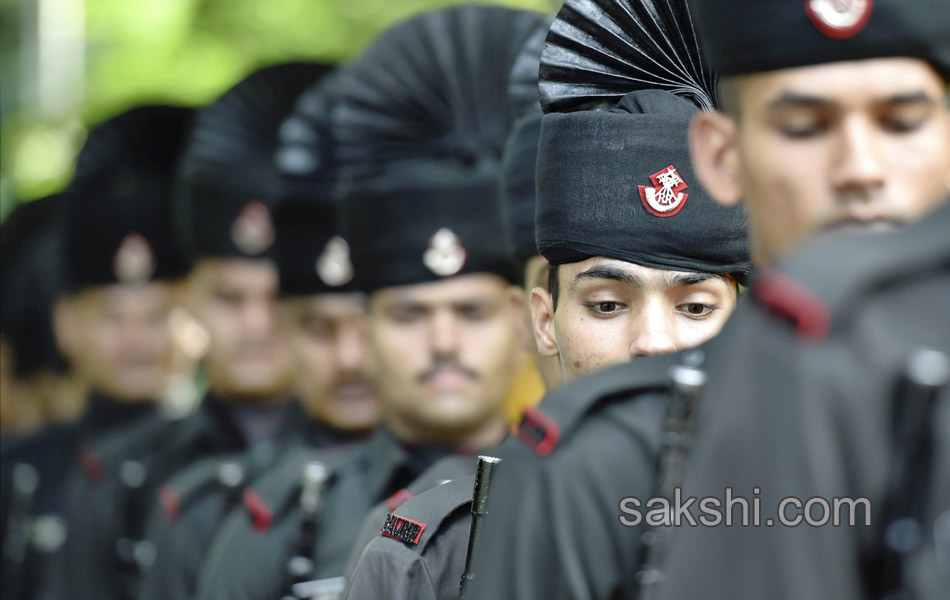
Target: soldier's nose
x=654 y=331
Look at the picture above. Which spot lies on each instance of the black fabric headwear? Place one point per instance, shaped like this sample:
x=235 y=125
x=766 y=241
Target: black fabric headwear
x=445 y=223
x=117 y=220
x=618 y=182
x=311 y=257
x=31 y=239
x=226 y=182
x=518 y=188
x=419 y=125
x=521 y=152
x=751 y=36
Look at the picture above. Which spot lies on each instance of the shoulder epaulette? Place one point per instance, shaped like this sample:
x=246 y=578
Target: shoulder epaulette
x=417 y=520
x=560 y=411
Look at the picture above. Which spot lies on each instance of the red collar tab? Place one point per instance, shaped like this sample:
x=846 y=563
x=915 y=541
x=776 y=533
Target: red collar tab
x=403 y=529
x=538 y=431
x=263 y=517
x=791 y=300
x=170 y=501
x=398 y=499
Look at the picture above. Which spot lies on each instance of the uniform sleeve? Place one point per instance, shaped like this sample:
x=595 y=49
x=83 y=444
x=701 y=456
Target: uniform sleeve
x=388 y=570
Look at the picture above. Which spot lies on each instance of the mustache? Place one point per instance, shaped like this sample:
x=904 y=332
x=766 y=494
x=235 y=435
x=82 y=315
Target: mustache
x=447 y=364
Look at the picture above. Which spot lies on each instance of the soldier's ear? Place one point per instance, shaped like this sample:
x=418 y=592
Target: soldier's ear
x=66 y=326
x=542 y=318
x=713 y=146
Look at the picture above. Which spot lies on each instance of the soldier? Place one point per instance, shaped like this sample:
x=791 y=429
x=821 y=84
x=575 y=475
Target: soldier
x=420 y=215
x=839 y=397
x=41 y=387
x=120 y=272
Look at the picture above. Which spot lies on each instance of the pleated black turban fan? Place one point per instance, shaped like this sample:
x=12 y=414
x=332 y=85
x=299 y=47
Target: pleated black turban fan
x=418 y=126
x=620 y=81
x=117 y=209
x=226 y=183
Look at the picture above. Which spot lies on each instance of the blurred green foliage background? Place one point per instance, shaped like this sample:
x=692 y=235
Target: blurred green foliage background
x=70 y=63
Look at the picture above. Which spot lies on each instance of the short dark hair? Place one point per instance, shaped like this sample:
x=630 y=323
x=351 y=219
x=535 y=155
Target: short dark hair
x=554 y=285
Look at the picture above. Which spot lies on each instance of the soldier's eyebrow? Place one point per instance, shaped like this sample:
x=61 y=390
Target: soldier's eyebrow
x=608 y=272
x=681 y=279
x=797 y=100
x=908 y=98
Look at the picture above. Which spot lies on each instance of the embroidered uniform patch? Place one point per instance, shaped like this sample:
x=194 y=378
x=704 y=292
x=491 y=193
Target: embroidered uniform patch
x=403 y=529
x=839 y=19
x=666 y=197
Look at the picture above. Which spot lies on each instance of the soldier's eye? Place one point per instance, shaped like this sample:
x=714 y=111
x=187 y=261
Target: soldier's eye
x=696 y=309
x=604 y=308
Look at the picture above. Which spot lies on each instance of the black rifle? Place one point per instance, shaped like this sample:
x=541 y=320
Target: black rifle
x=925 y=376
x=687 y=382
x=301 y=566
x=486 y=465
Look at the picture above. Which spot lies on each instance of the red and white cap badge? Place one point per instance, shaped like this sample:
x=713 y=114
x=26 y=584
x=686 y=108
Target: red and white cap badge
x=253 y=230
x=445 y=255
x=666 y=197
x=839 y=19
x=333 y=265
x=134 y=261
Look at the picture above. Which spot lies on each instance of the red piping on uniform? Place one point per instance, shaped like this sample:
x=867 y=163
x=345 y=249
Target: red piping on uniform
x=398 y=499
x=170 y=501
x=263 y=517
x=790 y=299
x=538 y=431
x=91 y=465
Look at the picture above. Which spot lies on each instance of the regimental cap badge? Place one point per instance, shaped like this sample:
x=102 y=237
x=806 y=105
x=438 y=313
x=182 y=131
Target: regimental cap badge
x=333 y=265
x=666 y=197
x=839 y=19
x=134 y=261
x=253 y=230
x=445 y=255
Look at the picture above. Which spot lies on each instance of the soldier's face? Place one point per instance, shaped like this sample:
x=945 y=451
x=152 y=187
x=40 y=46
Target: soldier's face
x=610 y=311
x=118 y=338
x=236 y=301
x=333 y=372
x=849 y=147
x=446 y=353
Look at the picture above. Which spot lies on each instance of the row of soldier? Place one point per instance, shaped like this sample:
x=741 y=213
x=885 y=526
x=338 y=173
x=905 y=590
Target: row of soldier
x=376 y=264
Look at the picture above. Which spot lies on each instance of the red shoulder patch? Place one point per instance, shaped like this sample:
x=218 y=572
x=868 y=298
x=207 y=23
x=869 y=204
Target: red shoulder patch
x=398 y=499
x=403 y=529
x=170 y=501
x=792 y=300
x=263 y=517
x=538 y=431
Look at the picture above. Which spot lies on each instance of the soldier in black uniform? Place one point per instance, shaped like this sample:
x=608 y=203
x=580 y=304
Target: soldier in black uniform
x=842 y=393
x=420 y=213
x=38 y=387
x=120 y=268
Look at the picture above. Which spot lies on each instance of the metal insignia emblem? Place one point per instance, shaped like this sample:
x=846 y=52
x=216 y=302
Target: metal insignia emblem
x=403 y=529
x=253 y=230
x=445 y=255
x=333 y=265
x=134 y=261
x=839 y=19
x=666 y=197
